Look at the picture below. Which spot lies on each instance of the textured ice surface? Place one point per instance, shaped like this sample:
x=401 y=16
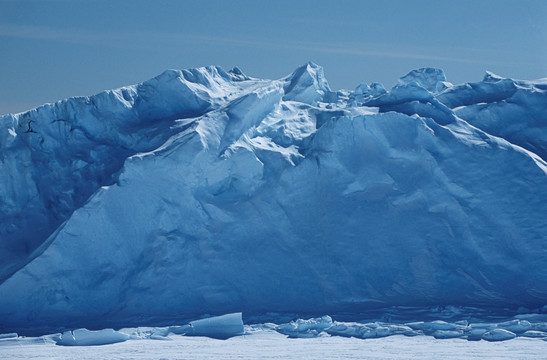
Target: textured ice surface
x=207 y=192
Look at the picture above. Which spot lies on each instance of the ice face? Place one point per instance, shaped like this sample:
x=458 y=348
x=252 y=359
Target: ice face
x=204 y=191
x=56 y=156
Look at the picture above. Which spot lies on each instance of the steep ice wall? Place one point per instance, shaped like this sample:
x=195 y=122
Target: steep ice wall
x=285 y=196
x=55 y=157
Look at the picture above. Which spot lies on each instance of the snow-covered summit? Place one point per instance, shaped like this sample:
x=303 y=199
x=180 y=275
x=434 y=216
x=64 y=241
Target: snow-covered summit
x=205 y=191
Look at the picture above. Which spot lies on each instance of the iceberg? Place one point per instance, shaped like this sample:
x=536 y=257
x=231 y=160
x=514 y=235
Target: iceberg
x=203 y=191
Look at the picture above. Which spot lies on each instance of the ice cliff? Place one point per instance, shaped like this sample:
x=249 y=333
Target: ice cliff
x=205 y=191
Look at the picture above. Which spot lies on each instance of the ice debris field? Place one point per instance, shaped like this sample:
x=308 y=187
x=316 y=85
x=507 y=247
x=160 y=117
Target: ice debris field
x=231 y=325
x=203 y=191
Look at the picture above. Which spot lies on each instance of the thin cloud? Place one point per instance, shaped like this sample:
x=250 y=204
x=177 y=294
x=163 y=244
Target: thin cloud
x=365 y=50
x=45 y=33
x=149 y=39
x=115 y=39
x=386 y=54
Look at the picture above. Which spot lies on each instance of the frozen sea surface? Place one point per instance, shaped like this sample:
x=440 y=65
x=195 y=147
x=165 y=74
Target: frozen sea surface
x=269 y=344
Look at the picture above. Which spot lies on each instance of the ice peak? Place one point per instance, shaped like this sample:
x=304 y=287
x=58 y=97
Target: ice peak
x=169 y=74
x=237 y=74
x=431 y=79
x=374 y=89
x=491 y=77
x=306 y=84
x=209 y=77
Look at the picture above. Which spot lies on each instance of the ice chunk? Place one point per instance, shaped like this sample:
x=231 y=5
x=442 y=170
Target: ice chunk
x=498 y=335
x=434 y=325
x=374 y=330
x=447 y=334
x=305 y=325
x=219 y=327
x=369 y=330
x=8 y=336
x=534 y=334
x=84 y=337
x=181 y=330
x=342 y=329
x=516 y=326
x=305 y=328
x=160 y=333
x=475 y=334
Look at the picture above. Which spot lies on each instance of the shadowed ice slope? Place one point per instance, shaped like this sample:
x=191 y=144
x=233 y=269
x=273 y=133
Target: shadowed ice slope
x=202 y=191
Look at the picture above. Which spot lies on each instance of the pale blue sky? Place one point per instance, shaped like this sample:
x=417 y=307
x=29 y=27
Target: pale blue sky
x=50 y=50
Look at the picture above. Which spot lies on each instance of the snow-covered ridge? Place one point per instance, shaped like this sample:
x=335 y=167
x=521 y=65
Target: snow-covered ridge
x=205 y=191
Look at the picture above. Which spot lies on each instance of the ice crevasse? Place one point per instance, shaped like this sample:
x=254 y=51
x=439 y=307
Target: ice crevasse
x=203 y=191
